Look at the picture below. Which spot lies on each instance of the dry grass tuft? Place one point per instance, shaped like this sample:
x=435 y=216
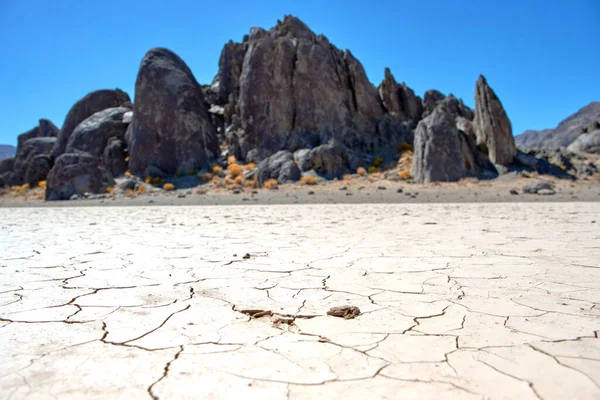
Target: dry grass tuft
x=148 y=180
x=42 y=184
x=405 y=175
x=235 y=170
x=168 y=187
x=207 y=177
x=216 y=169
x=271 y=184
x=239 y=179
x=250 y=166
x=127 y=174
x=229 y=181
x=377 y=162
x=347 y=177
x=250 y=183
x=361 y=171
x=129 y=192
x=141 y=189
x=309 y=180
x=374 y=170
x=231 y=160
x=110 y=189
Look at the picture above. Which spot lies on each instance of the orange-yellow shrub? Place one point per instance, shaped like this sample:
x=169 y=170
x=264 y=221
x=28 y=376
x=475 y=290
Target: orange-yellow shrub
x=361 y=171
x=42 y=184
x=235 y=170
x=239 y=179
x=250 y=183
x=110 y=189
x=129 y=192
x=309 y=180
x=216 y=169
x=148 y=179
x=216 y=181
x=270 y=184
x=127 y=174
x=250 y=166
x=231 y=160
x=229 y=181
x=168 y=187
x=141 y=189
x=207 y=177
x=347 y=177
x=405 y=175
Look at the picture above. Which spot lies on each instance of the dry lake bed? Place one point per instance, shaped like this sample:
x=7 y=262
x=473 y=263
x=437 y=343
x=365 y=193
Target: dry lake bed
x=456 y=301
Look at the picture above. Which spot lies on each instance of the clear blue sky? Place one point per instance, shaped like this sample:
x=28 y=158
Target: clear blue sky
x=542 y=57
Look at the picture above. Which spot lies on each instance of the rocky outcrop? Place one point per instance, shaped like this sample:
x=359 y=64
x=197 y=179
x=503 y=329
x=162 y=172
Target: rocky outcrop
x=493 y=128
x=586 y=143
x=330 y=160
x=77 y=173
x=38 y=169
x=114 y=155
x=7 y=165
x=280 y=166
x=399 y=100
x=171 y=129
x=431 y=99
x=26 y=152
x=90 y=104
x=92 y=134
x=296 y=90
x=45 y=128
x=438 y=149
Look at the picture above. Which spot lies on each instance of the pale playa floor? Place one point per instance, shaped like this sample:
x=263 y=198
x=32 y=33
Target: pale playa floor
x=458 y=301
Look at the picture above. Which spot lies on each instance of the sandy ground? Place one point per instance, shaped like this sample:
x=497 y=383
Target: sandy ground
x=355 y=191
x=457 y=301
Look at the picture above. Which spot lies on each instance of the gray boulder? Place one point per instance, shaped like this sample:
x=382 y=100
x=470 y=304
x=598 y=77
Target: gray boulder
x=27 y=152
x=90 y=104
x=280 y=166
x=38 y=169
x=438 y=154
x=114 y=155
x=331 y=160
x=92 y=134
x=76 y=174
x=45 y=128
x=535 y=187
x=586 y=143
x=7 y=165
x=493 y=128
x=171 y=129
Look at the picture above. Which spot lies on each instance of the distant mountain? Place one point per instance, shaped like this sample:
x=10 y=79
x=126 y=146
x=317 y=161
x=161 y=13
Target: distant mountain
x=565 y=133
x=6 y=150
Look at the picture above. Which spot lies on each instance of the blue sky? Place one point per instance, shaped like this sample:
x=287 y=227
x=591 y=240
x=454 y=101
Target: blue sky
x=541 y=57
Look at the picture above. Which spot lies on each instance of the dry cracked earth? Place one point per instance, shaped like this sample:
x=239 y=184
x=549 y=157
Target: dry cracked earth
x=462 y=301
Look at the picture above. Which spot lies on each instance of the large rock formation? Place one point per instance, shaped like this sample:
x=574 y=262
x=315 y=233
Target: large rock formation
x=90 y=104
x=586 y=143
x=77 y=173
x=45 y=128
x=171 y=130
x=296 y=90
x=24 y=160
x=493 y=128
x=439 y=149
x=399 y=100
x=92 y=134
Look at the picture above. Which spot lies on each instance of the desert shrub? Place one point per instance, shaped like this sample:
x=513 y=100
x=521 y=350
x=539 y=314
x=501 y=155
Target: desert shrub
x=231 y=160
x=372 y=169
x=250 y=183
x=402 y=147
x=207 y=177
x=110 y=189
x=129 y=192
x=229 y=181
x=377 y=162
x=250 y=166
x=148 y=180
x=361 y=171
x=270 y=184
x=141 y=189
x=168 y=187
x=127 y=174
x=346 y=177
x=309 y=180
x=216 y=169
x=405 y=175
x=239 y=180
x=25 y=187
x=406 y=163
x=235 y=170
x=42 y=184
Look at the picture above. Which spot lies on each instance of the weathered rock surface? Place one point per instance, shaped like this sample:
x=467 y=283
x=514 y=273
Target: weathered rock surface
x=438 y=154
x=331 y=160
x=493 y=128
x=114 y=155
x=45 y=128
x=535 y=187
x=77 y=173
x=92 y=134
x=37 y=169
x=280 y=166
x=399 y=99
x=296 y=90
x=90 y=104
x=586 y=143
x=7 y=165
x=25 y=155
x=431 y=99
x=171 y=129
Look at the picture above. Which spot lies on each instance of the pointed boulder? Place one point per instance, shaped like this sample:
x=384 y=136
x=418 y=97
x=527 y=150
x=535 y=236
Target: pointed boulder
x=492 y=126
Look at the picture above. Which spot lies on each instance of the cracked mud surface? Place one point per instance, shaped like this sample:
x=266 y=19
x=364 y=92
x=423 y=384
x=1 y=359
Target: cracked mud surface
x=456 y=302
